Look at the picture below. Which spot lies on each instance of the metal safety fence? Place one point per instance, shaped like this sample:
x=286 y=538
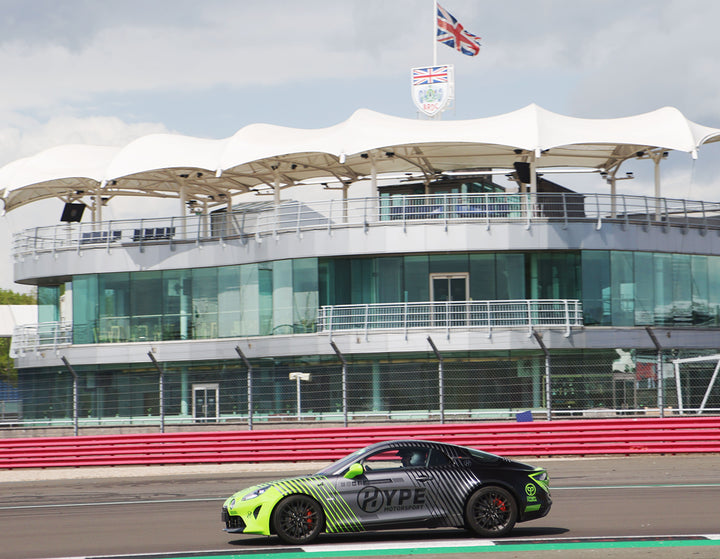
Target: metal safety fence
x=349 y=389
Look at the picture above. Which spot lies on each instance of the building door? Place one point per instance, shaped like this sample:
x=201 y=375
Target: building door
x=453 y=290
x=206 y=403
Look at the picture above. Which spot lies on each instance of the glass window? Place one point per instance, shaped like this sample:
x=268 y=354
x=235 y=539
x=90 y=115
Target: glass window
x=390 y=289
x=85 y=309
x=114 y=304
x=335 y=281
x=700 y=293
x=510 y=276
x=554 y=275
x=177 y=305
x=483 y=456
x=448 y=263
x=482 y=277
x=622 y=288
x=406 y=457
x=714 y=289
x=449 y=287
x=146 y=299
x=305 y=294
x=416 y=287
x=205 y=303
x=682 y=290
x=48 y=298
x=325 y=282
x=229 y=302
x=265 y=299
x=596 y=287
x=363 y=278
x=282 y=297
x=663 y=289
x=255 y=309
x=645 y=293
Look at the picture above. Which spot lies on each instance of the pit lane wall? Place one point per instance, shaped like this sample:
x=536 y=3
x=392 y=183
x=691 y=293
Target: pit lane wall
x=676 y=435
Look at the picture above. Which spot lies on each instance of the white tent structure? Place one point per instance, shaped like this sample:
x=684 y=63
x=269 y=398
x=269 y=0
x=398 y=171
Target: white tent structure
x=368 y=144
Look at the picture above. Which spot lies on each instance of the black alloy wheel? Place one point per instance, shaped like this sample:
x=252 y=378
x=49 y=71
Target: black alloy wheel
x=491 y=512
x=298 y=519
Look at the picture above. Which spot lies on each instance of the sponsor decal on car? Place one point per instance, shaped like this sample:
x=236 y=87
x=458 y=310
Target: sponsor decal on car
x=372 y=499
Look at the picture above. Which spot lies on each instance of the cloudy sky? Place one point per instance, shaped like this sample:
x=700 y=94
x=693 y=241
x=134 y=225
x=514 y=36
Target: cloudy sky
x=98 y=72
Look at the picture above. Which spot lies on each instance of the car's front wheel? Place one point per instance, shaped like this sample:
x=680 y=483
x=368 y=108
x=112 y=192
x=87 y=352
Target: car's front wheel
x=491 y=511
x=298 y=519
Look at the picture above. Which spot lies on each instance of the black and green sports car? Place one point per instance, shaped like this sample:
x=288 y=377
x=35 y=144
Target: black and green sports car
x=395 y=484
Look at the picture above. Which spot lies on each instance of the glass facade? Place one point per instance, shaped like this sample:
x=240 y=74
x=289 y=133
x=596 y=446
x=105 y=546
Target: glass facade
x=617 y=288
x=255 y=299
x=621 y=288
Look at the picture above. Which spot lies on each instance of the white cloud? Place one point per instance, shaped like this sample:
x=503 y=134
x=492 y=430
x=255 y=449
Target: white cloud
x=30 y=137
x=226 y=43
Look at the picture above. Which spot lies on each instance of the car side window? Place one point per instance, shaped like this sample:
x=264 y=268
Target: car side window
x=397 y=458
x=384 y=460
x=437 y=458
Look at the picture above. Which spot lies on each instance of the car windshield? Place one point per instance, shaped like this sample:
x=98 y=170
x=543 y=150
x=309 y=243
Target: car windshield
x=483 y=456
x=342 y=464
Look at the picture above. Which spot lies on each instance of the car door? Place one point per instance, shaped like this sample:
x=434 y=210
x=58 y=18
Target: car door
x=445 y=486
x=387 y=494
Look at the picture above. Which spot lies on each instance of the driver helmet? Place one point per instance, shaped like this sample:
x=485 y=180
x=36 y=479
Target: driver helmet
x=412 y=457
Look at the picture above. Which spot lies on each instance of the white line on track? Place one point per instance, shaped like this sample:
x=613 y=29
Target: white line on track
x=420 y=544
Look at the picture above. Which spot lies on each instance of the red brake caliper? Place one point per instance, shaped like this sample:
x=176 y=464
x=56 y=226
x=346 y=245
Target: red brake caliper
x=500 y=504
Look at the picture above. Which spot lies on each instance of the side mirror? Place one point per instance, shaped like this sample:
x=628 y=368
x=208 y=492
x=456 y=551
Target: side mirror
x=354 y=471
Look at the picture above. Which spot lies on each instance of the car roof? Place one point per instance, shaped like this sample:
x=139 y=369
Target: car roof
x=401 y=443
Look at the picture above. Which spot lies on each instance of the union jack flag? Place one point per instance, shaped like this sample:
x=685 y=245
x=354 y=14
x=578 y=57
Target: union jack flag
x=433 y=74
x=454 y=35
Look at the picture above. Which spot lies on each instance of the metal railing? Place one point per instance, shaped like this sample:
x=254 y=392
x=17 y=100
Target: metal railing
x=36 y=337
x=258 y=220
x=562 y=313
x=487 y=315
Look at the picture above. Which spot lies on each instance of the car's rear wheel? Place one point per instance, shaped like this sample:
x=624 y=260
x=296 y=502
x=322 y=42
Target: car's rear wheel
x=491 y=511
x=298 y=519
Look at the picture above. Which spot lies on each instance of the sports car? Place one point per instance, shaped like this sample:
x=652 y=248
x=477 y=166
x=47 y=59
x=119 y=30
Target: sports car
x=391 y=485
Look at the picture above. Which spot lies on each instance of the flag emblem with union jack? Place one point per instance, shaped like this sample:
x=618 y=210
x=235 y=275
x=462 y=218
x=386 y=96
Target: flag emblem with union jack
x=454 y=35
x=433 y=74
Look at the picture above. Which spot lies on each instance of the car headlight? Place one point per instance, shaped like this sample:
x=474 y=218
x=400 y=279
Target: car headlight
x=255 y=494
x=542 y=479
x=232 y=503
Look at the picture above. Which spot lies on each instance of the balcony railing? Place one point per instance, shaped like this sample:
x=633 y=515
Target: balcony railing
x=485 y=315
x=258 y=220
x=38 y=337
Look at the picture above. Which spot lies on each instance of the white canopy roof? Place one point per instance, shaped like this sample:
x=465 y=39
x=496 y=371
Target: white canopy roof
x=167 y=165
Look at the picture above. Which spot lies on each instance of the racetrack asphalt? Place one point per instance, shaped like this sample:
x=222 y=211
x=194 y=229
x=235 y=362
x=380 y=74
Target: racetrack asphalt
x=171 y=509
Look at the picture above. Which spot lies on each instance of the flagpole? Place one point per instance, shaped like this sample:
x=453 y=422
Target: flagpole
x=434 y=32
